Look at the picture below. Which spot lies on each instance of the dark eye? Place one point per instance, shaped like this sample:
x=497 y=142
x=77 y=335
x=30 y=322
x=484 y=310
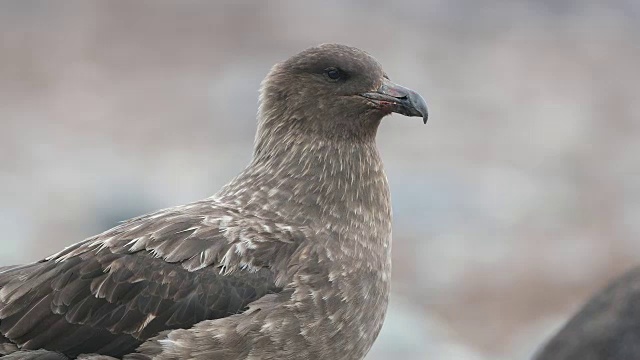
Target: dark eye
x=334 y=74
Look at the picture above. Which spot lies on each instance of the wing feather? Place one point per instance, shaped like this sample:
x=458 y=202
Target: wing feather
x=166 y=270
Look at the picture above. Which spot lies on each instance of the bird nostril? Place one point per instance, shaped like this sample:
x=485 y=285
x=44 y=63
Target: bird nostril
x=404 y=97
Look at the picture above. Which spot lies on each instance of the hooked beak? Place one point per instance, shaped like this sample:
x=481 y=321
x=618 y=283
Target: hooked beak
x=395 y=98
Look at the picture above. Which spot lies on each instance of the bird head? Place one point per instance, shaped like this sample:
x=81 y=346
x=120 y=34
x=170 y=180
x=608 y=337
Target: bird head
x=335 y=90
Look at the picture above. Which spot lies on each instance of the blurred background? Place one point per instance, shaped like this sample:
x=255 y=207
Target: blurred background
x=518 y=200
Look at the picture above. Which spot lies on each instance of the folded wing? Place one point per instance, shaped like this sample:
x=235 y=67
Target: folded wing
x=166 y=270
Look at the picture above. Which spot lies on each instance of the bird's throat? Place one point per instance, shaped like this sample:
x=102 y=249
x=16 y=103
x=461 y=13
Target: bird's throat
x=316 y=183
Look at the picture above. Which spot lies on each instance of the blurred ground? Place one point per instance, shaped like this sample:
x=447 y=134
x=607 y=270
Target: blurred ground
x=519 y=198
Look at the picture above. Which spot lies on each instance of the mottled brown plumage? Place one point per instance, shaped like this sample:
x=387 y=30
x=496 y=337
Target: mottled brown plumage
x=290 y=260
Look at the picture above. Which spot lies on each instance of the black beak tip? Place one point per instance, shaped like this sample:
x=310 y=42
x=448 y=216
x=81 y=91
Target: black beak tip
x=421 y=107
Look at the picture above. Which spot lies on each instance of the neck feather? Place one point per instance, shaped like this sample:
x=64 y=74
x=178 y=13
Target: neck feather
x=328 y=182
